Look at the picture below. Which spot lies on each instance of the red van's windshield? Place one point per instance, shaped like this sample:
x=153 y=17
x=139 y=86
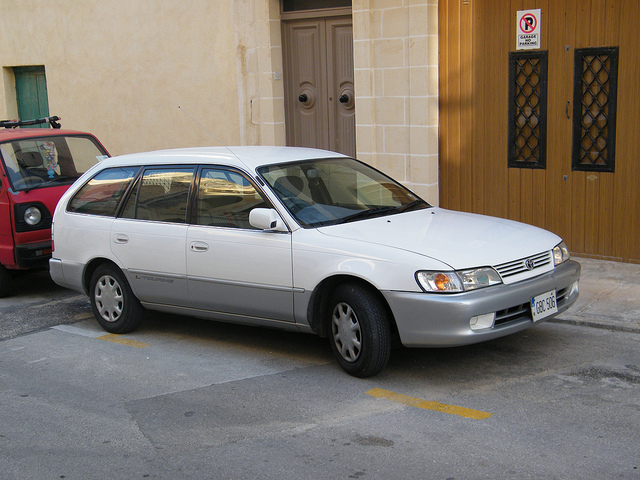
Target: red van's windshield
x=49 y=160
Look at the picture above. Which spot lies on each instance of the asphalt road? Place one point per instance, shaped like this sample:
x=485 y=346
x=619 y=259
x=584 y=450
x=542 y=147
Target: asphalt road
x=37 y=303
x=183 y=399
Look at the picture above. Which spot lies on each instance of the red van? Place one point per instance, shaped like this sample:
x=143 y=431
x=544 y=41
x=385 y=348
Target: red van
x=36 y=167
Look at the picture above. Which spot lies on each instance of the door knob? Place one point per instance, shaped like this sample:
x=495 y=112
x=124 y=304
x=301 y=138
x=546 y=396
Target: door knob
x=198 y=247
x=303 y=98
x=120 y=238
x=344 y=98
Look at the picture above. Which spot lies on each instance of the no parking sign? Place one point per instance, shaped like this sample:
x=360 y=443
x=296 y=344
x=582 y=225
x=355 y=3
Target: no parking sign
x=528 y=29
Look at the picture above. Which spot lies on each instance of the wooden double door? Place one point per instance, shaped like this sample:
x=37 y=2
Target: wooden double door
x=318 y=76
x=572 y=165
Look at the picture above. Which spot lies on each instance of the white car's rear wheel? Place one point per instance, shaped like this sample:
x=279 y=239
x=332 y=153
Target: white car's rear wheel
x=113 y=303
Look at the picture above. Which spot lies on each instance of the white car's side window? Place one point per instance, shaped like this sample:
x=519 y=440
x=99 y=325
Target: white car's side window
x=102 y=194
x=161 y=195
x=225 y=199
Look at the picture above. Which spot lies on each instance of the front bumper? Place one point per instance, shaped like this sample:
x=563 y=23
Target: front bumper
x=33 y=255
x=442 y=320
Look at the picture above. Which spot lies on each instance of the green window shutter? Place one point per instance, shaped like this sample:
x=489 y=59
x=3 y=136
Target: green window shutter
x=31 y=93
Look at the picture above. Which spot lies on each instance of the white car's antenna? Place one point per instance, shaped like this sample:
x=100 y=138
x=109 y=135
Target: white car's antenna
x=210 y=133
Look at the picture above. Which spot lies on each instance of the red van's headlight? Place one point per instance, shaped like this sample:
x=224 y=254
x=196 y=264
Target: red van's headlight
x=32 y=216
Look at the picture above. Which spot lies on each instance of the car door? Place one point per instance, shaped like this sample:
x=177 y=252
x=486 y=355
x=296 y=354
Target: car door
x=149 y=238
x=233 y=268
x=6 y=236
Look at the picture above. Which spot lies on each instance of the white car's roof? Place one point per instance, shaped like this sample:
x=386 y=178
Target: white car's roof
x=248 y=157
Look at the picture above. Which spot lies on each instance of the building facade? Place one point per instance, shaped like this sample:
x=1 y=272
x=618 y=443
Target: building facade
x=146 y=75
x=437 y=93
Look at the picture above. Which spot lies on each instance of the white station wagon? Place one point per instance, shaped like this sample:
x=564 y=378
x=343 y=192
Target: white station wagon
x=304 y=240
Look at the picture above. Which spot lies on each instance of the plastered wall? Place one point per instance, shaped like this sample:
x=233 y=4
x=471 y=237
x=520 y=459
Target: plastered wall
x=121 y=69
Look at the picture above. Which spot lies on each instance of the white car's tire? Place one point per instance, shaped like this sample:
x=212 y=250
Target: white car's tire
x=113 y=303
x=359 y=331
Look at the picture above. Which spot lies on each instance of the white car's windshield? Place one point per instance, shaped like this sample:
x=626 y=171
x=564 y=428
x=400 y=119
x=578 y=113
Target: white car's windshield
x=327 y=192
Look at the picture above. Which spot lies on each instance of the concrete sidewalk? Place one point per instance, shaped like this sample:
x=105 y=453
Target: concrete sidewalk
x=609 y=296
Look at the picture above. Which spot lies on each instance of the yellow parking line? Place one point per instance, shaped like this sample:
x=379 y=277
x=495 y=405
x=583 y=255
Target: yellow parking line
x=437 y=406
x=112 y=337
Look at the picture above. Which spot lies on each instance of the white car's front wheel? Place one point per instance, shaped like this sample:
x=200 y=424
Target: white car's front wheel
x=359 y=331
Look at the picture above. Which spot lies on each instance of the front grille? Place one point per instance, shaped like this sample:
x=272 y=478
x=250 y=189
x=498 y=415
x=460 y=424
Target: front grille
x=518 y=312
x=523 y=312
x=22 y=226
x=523 y=265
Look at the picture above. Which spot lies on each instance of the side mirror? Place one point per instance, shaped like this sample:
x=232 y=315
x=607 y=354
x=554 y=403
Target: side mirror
x=267 y=219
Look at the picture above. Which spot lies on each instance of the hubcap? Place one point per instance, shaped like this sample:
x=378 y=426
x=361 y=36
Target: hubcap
x=109 y=298
x=346 y=332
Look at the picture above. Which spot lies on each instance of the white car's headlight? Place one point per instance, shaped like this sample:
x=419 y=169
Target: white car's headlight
x=560 y=254
x=460 y=281
x=439 y=281
x=479 y=278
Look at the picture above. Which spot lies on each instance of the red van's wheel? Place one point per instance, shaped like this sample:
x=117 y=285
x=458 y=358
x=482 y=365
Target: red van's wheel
x=5 y=281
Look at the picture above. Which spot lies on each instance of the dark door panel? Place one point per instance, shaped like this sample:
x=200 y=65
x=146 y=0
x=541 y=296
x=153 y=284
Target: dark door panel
x=318 y=74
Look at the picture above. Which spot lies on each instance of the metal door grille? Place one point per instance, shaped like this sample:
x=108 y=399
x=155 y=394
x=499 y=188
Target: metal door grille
x=594 y=108
x=527 y=109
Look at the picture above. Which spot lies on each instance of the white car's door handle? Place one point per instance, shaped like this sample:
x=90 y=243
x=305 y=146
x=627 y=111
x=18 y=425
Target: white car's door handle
x=120 y=238
x=199 y=247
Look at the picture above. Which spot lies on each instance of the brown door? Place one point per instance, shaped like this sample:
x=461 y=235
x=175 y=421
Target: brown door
x=582 y=180
x=318 y=75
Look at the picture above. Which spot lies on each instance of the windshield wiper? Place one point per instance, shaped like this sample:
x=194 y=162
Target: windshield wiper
x=60 y=179
x=372 y=212
x=411 y=206
x=34 y=186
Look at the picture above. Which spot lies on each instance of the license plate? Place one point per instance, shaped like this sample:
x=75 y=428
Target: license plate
x=544 y=305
